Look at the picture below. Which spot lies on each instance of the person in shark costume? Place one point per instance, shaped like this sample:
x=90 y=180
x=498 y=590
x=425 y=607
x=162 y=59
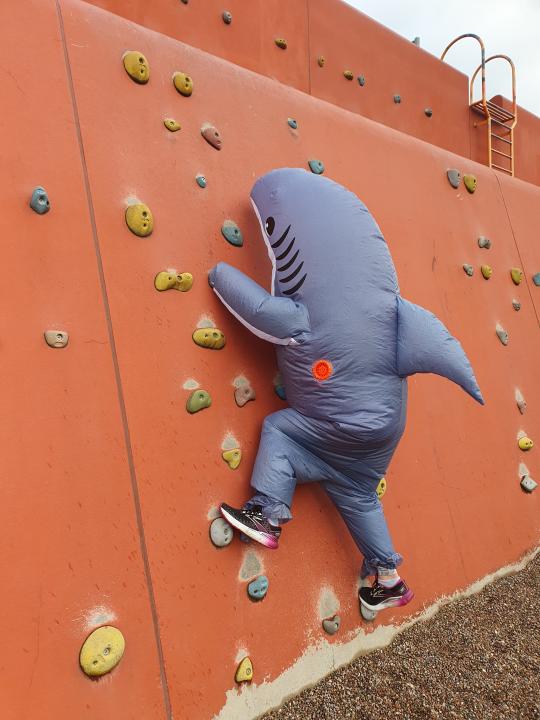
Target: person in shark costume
x=346 y=341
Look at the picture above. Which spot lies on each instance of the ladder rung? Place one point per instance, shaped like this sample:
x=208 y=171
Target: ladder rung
x=500 y=123
x=501 y=168
x=501 y=153
x=500 y=137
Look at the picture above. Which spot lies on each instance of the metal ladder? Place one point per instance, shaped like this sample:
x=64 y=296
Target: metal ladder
x=493 y=114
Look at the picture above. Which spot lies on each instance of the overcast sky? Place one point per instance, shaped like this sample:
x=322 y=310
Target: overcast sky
x=510 y=27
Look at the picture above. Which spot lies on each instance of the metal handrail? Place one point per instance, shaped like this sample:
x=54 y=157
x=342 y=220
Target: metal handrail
x=482 y=64
x=513 y=68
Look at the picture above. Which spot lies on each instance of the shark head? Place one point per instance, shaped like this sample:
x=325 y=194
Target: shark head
x=319 y=235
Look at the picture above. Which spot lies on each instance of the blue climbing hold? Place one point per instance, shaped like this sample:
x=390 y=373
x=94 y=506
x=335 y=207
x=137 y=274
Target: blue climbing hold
x=232 y=233
x=280 y=391
x=536 y=279
x=40 y=200
x=258 y=588
x=292 y=123
x=201 y=180
x=316 y=166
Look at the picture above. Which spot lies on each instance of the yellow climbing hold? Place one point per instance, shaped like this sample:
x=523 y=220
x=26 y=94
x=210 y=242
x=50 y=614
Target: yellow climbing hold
x=209 y=337
x=244 y=672
x=183 y=83
x=139 y=219
x=486 y=270
x=470 y=182
x=281 y=43
x=348 y=74
x=381 y=488
x=136 y=66
x=102 y=651
x=517 y=275
x=232 y=457
x=172 y=280
x=525 y=443
x=172 y=125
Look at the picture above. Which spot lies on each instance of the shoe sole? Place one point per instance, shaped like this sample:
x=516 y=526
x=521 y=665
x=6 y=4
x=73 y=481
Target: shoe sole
x=259 y=537
x=393 y=602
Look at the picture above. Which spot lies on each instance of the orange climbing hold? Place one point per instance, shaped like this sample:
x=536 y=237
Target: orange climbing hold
x=322 y=369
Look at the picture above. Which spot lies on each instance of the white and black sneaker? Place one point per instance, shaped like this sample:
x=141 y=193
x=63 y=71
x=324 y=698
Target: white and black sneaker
x=377 y=597
x=252 y=523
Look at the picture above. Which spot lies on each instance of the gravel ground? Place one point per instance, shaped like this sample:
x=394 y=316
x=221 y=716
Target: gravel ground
x=477 y=659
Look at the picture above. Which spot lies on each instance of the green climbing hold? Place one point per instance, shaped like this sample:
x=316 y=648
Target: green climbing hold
x=232 y=233
x=316 y=166
x=470 y=182
x=198 y=400
x=201 y=181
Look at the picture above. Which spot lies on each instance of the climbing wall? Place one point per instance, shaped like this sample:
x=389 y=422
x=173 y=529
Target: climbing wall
x=111 y=485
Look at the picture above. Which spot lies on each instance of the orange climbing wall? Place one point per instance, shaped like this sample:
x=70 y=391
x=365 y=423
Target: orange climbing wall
x=71 y=532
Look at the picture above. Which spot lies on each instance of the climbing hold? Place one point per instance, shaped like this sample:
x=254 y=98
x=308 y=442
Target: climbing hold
x=484 y=242
x=136 y=66
x=468 y=269
x=232 y=457
x=102 y=651
x=517 y=275
x=40 y=200
x=280 y=391
x=316 y=166
x=221 y=533
x=486 y=270
x=381 y=488
x=209 y=337
x=428 y=112
x=258 y=588
x=536 y=279
x=201 y=180
x=183 y=83
x=397 y=99
x=243 y=394
x=173 y=280
x=361 y=80
x=321 y=61
x=502 y=334
x=528 y=484
x=516 y=304
x=520 y=401
x=171 y=124
x=198 y=400
x=244 y=672
x=211 y=135
x=525 y=443
x=56 y=338
x=454 y=177
x=348 y=74
x=292 y=123
x=281 y=43
x=227 y=17
x=331 y=625
x=416 y=41
x=232 y=233
x=184 y=1
x=139 y=219
x=470 y=182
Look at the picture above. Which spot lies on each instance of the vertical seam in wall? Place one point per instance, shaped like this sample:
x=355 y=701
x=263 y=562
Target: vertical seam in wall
x=121 y=401
x=308 y=48
x=517 y=246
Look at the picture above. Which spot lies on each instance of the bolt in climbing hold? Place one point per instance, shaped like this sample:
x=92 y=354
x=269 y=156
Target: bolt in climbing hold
x=281 y=43
x=397 y=99
x=486 y=271
x=316 y=166
x=292 y=123
x=454 y=177
x=470 y=182
x=331 y=625
x=502 y=334
x=484 y=242
x=536 y=279
x=211 y=135
x=321 y=61
x=201 y=181
x=516 y=304
x=173 y=280
x=525 y=443
x=136 y=66
x=183 y=83
x=244 y=672
x=232 y=457
x=221 y=533
x=171 y=124
x=243 y=394
x=227 y=17
x=528 y=484
x=468 y=269
x=209 y=337
x=102 y=651
x=56 y=338
x=428 y=112
x=348 y=74
x=139 y=219
x=381 y=488
x=198 y=400
x=232 y=233
x=361 y=80
x=39 y=200
x=258 y=588
x=517 y=275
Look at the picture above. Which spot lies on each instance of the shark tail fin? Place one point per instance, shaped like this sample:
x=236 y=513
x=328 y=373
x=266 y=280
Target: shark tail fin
x=424 y=345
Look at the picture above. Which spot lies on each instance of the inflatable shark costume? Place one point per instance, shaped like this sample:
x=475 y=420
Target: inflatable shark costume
x=346 y=342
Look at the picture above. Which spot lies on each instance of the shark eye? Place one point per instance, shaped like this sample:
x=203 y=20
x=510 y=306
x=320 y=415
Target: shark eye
x=270 y=224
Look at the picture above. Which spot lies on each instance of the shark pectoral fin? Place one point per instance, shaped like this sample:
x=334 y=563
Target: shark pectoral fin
x=424 y=345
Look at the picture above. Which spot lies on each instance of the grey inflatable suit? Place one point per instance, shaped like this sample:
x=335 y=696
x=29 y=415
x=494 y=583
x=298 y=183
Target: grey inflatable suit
x=346 y=341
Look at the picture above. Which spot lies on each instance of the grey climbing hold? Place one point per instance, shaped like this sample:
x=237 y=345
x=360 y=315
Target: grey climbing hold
x=528 y=484
x=40 y=200
x=243 y=394
x=484 y=242
x=232 y=233
x=536 y=279
x=428 y=112
x=516 y=304
x=502 y=334
x=56 y=338
x=201 y=180
x=520 y=401
x=227 y=17
x=454 y=177
x=331 y=625
x=258 y=588
x=397 y=99
x=468 y=269
x=361 y=80
x=221 y=533
x=211 y=135
x=292 y=123
x=416 y=41
x=316 y=166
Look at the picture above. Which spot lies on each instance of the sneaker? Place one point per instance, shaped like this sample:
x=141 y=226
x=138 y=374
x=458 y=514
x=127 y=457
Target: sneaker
x=377 y=597
x=252 y=523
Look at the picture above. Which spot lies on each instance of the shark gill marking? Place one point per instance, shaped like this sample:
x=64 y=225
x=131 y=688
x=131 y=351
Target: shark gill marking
x=282 y=238
x=287 y=251
x=288 y=264
x=293 y=274
x=298 y=285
